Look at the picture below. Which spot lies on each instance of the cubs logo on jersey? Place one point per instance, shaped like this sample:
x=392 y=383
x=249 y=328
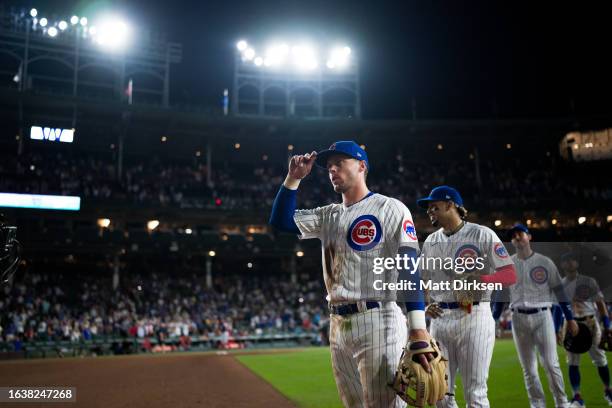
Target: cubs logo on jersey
x=500 y=250
x=408 y=227
x=364 y=233
x=468 y=251
x=539 y=274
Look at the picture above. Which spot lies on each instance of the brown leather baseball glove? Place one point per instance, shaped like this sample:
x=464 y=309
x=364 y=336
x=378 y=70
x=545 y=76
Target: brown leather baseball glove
x=415 y=385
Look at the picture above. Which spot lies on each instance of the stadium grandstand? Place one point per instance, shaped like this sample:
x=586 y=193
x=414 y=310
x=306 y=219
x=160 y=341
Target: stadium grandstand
x=174 y=202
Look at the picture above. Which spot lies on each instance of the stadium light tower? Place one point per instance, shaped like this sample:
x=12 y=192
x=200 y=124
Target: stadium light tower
x=302 y=80
x=81 y=43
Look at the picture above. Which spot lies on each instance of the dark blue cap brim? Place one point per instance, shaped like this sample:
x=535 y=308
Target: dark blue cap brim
x=514 y=229
x=323 y=155
x=569 y=256
x=424 y=202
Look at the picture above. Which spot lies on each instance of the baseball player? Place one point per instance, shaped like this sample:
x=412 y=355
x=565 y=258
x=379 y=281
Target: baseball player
x=367 y=328
x=465 y=328
x=538 y=286
x=587 y=302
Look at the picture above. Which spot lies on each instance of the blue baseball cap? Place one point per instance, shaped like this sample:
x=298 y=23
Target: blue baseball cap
x=441 y=193
x=518 y=227
x=346 y=147
x=569 y=256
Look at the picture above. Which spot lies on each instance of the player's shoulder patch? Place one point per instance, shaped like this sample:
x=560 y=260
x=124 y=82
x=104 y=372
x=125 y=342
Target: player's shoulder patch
x=409 y=229
x=364 y=233
x=500 y=250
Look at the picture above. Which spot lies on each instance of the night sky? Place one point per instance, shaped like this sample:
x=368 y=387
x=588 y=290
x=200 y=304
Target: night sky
x=456 y=59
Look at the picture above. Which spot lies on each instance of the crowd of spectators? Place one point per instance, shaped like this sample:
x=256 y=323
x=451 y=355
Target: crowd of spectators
x=520 y=182
x=161 y=305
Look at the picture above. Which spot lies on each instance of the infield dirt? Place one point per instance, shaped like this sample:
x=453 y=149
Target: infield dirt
x=174 y=381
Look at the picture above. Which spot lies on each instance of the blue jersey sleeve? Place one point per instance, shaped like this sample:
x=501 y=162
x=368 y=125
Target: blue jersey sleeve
x=283 y=209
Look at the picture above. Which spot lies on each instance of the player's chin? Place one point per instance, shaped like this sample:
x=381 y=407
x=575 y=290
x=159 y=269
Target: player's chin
x=339 y=188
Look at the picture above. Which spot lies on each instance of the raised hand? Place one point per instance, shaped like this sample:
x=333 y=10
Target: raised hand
x=301 y=165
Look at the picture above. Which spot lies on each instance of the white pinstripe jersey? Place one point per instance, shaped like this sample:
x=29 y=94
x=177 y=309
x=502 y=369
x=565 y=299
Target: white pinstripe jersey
x=584 y=292
x=472 y=240
x=351 y=237
x=536 y=277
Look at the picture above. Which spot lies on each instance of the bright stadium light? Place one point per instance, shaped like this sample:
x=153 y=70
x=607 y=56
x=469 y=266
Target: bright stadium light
x=248 y=54
x=93 y=31
x=212 y=253
x=62 y=25
x=581 y=220
x=304 y=57
x=83 y=21
x=112 y=33
x=338 y=57
x=43 y=22
x=242 y=45
x=52 y=32
x=258 y=61
x=74 y=20
x=151 y=225
x=103 y=222
x=33 y=12
x=276 y=55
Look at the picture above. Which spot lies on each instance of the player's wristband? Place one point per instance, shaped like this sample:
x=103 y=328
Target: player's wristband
x=605 y=320
x=416 y=319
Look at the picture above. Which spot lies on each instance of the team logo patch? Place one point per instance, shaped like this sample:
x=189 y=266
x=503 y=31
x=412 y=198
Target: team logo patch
x=468 y=251
x=364 y=233
x=539 y=274
x=409 y=229
x=500 y=250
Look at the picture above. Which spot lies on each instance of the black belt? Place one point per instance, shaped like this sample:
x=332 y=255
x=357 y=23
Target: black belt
x=530 y=311
x=582 y=319
x=351 y=308
x=454 y=305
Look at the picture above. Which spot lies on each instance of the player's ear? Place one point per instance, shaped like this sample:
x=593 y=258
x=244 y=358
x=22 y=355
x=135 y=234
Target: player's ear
x=363 y=168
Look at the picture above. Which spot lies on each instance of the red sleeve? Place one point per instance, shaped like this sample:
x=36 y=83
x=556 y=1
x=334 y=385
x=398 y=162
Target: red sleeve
x=506 y=275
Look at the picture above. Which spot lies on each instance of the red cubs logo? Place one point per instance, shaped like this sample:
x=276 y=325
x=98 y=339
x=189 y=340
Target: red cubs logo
x=539 y=274
x=409 y=229
x=364 y=233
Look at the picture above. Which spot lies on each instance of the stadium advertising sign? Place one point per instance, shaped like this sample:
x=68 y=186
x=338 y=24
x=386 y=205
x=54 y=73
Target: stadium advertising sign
x=41 y=202
x=52 y=134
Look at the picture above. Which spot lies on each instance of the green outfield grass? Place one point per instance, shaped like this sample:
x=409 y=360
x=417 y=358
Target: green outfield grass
x=305 y=377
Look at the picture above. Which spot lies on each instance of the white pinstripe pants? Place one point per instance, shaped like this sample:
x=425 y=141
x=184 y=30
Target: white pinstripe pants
x=365 y=349
x=467 y=341
x=537 y=331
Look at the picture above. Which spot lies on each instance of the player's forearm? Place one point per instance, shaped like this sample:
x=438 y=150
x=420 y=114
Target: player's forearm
x=291 y=183
x=603 y=313
x=557 y=317
x=506 y=275
x=416 y=302
x=564 y=303
x=498 y=309
x=283 y=209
